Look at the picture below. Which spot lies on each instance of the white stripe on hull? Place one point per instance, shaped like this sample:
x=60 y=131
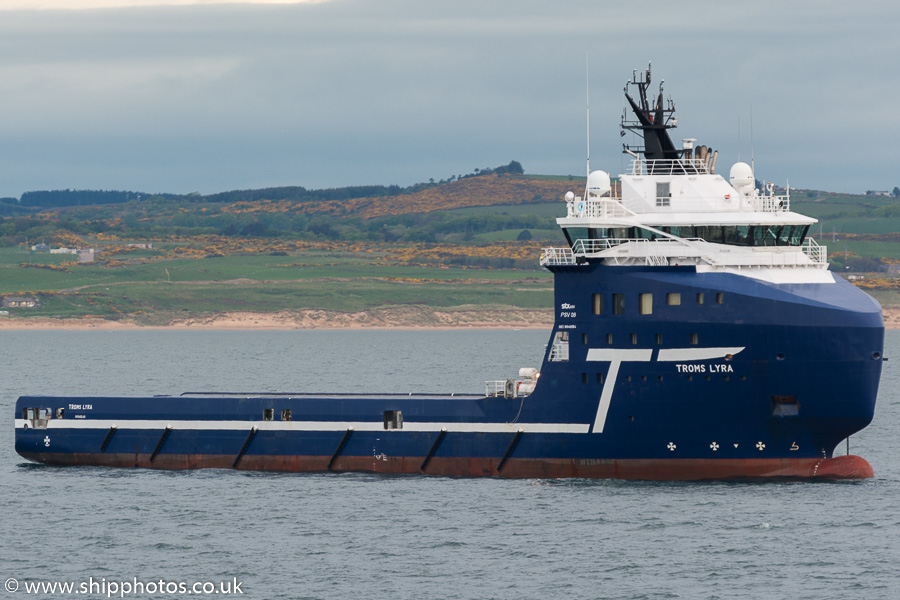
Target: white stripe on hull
x=57 y=424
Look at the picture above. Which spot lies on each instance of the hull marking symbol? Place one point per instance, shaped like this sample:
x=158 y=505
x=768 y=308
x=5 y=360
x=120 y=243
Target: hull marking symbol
x=794 y=446
x=714 y=446
x=616 y=356
x=760 y=446
x=47 y=441
x=671 y=446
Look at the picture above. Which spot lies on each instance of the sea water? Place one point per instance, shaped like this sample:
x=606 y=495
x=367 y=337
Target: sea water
x=114 y=532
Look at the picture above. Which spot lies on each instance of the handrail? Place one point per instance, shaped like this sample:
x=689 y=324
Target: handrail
x=658 y=252
x=614 y=208
x=597 y=208
x=772 y=203
x=817 y=253
x=669 y=166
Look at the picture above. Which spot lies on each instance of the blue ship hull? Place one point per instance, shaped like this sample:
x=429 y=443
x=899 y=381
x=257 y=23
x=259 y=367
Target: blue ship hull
x=758 y=380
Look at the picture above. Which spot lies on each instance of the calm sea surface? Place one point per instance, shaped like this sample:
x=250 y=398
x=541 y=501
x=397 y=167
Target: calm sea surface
x=363 y=536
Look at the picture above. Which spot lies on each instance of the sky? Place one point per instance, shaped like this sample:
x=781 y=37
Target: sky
x=189 y=96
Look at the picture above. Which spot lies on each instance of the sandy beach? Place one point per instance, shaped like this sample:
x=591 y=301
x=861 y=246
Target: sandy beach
x=387 y=318
x=401 y=317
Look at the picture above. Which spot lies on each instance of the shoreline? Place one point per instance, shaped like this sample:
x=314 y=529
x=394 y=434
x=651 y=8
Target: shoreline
x=398 y=318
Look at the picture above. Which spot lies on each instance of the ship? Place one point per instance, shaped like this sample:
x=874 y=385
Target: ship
x=698 y=334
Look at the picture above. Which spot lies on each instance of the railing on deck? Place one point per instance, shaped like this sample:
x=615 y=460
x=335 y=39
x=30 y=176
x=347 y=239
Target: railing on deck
x=771 y=203
x=557 y=257
x=667 y=166
x=659 y=251
x=603 y=208
x=817 y=254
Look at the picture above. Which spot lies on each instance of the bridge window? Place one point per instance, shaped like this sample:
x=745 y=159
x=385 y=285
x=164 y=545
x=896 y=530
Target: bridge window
x=699 y=297
x=286 y=414
x=598 y=304
x=609 y=339
x=619 y=304
x=634 y=339
x=720 y=298
x=646 y=301
x=268 y=414
x=584 y=339
x=673 y=299
x=659 y=339
x=694 y=339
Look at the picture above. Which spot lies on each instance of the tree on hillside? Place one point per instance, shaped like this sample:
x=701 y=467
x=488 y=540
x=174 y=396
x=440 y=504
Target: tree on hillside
x=896 y=192
x=513 y=168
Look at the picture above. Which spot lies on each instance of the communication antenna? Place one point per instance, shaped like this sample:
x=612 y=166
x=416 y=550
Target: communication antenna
x=587 y=99
x=752 y=164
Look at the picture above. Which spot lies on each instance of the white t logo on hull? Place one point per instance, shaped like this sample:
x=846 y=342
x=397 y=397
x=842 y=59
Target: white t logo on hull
x=616 y=356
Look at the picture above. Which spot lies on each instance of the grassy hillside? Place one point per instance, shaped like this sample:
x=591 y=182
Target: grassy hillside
x=474 y=241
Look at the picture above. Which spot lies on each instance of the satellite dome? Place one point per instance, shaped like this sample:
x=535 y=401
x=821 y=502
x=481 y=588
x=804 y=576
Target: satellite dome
x=741 y=176
x=598 y=183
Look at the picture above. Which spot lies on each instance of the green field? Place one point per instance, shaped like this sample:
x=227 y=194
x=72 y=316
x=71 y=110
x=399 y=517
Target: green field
x=156 y=291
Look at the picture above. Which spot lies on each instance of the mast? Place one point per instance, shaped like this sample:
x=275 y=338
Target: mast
x=652 y=123
x=587 y=97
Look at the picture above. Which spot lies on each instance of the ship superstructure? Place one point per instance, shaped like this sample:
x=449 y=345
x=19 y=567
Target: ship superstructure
x=698 y=334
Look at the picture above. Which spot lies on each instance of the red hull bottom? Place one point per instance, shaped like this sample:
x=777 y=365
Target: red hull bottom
x=840 y=467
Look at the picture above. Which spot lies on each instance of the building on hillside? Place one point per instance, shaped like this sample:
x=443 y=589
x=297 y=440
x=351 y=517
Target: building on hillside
x=20 y=302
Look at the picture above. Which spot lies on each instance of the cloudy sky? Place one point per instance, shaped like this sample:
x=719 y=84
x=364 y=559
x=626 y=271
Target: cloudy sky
x=184 y=96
